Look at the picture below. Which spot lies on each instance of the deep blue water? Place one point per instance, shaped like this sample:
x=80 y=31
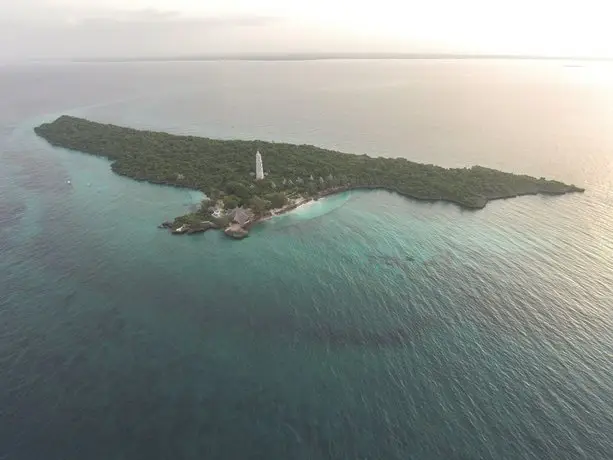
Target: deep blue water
x=362 y=326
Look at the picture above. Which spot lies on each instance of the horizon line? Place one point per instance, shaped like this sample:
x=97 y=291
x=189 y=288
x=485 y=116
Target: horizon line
x=317 y=56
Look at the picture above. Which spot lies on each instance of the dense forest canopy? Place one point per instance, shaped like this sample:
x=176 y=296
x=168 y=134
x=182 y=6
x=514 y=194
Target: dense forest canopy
x=226 y=168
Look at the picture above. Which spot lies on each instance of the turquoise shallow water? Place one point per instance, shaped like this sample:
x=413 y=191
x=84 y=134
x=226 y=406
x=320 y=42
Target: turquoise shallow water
x=364 y=325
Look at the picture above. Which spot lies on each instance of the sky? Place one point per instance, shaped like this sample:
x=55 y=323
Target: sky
x=157 y=28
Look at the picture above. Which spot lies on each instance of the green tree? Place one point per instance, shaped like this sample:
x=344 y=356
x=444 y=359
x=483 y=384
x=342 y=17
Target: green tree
x=277 y=200
x=238 y=189
x=231 y=201
x=259 y=205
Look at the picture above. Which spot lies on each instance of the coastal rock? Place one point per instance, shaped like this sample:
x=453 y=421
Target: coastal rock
x=180 y=230
x=236 y=231
x=200 y=228
x=166 y=224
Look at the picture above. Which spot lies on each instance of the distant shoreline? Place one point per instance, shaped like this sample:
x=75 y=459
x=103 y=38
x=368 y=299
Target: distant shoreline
x=335 y=56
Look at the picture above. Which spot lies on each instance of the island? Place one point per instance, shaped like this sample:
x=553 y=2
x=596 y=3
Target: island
x=243 y=187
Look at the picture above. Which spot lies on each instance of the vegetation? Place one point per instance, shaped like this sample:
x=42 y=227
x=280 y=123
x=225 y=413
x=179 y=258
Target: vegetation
x=277 y=200
x=224 y=169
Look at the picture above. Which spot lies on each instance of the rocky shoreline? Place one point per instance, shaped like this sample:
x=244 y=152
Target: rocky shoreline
x=188 y=229
x=239 y=232
x=233 y=230
x=478 y=204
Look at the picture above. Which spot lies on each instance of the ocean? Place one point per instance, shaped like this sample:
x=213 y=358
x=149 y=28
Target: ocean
x=361 y=326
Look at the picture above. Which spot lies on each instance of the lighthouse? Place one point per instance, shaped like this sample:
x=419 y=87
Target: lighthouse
x=259 y=167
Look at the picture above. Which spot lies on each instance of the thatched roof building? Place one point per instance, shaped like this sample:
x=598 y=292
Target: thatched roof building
x=242 y=216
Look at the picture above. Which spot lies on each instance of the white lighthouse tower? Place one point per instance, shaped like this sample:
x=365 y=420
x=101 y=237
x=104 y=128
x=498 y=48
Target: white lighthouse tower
x=259 y=167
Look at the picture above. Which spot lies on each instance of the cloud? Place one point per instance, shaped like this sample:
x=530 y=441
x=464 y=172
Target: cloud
x=154 y=16
x=146 y=32
x=142 y=15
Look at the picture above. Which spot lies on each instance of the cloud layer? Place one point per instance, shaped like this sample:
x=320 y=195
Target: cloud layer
x=96 y=28
x=133 y=33
x=106 y=33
